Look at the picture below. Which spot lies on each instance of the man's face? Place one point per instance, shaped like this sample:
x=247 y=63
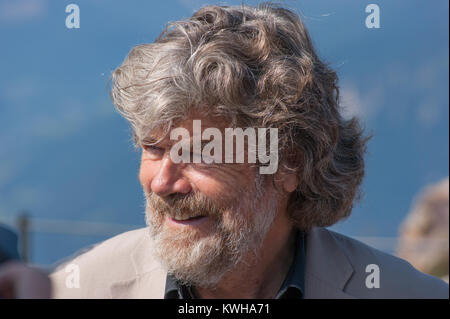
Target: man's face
x=204 y=217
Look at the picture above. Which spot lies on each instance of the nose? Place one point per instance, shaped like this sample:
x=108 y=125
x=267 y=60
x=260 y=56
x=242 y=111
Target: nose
x=169 y=179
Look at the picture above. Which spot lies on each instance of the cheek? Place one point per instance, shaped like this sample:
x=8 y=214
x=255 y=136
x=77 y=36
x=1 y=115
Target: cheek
x=205 y=183
x=222 y=184
x=147 y=171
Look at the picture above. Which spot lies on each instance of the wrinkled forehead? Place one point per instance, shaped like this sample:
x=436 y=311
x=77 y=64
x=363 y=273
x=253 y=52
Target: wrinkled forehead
x=195 y=124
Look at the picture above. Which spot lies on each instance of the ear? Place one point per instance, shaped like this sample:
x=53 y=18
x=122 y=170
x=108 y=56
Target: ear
x=290 y=181
x=287 y=179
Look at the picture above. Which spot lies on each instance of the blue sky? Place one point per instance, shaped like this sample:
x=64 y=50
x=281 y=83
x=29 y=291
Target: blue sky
x=66 y=154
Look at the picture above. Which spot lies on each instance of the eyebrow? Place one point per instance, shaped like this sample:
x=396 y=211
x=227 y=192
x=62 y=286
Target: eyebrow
x=152 y=141
x=149 y=140
x=162 y=142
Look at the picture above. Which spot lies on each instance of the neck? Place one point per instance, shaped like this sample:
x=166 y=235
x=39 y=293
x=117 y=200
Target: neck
x=258 y=277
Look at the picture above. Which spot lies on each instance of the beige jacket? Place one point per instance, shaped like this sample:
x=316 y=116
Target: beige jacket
x=123 y=267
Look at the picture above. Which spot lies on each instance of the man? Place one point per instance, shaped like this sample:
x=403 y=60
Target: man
x=220 y=227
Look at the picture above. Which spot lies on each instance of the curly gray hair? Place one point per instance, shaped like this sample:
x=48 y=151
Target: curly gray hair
x=257 y=67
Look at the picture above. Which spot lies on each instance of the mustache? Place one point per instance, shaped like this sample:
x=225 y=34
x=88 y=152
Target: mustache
x=184 y=205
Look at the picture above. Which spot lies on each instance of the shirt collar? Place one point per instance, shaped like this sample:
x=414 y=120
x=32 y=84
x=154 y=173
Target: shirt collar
x=175 y=290
x=292 y=287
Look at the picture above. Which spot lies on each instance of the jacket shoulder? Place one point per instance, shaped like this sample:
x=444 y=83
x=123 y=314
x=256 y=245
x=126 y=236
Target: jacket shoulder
x=397 y=277
x=89 y=275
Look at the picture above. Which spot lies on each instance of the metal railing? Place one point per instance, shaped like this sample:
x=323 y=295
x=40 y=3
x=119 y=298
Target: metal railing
x=24 y=224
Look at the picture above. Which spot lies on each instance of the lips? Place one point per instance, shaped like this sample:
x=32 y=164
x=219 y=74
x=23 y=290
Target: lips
x=184 y=218
x=192 y=221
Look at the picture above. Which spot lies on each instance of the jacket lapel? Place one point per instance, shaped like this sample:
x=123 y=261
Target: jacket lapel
x=327 y=269
x=148 y=279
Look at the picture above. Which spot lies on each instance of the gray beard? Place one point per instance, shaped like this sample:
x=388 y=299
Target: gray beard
x=202 y=260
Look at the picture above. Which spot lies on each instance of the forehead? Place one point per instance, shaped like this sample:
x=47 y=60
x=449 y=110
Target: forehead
x=161 y=135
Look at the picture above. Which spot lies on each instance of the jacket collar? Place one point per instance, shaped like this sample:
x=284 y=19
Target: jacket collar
x=327 y=269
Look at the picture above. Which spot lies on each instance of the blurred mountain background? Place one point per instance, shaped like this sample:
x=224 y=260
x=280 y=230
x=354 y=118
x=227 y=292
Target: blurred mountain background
x=65 y=154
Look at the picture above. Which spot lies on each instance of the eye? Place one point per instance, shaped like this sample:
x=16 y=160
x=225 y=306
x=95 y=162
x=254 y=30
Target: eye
x=153 y=151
